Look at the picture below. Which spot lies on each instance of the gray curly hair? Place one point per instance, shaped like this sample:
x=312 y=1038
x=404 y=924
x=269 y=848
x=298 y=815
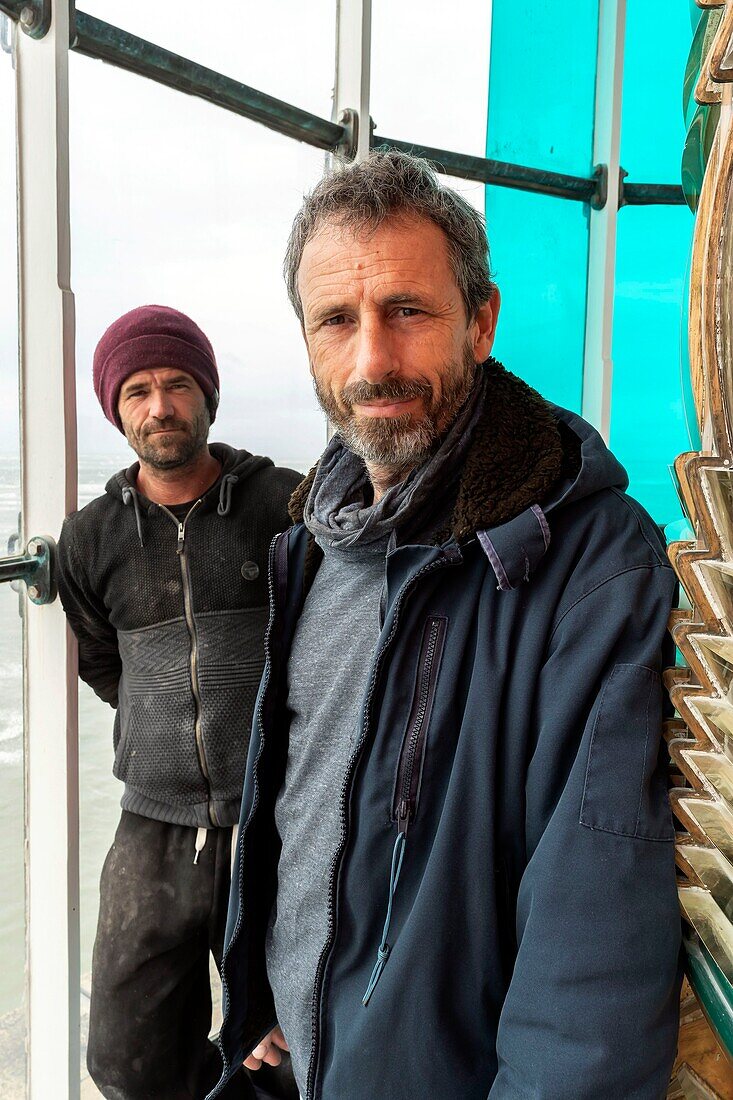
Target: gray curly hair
x=361 y=196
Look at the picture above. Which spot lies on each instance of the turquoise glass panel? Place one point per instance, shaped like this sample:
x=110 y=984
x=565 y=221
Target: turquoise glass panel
x=648 y=426
x=649 y=396
x=542 y=83
x=539 y=254
x=541 y=108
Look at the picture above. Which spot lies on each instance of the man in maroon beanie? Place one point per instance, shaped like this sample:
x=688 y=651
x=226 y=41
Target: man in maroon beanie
x=164 y=582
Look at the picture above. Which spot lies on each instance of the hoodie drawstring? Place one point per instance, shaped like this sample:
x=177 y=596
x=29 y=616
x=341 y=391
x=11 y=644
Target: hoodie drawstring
x=225 y=493
x=201 y=835
x=128 y=493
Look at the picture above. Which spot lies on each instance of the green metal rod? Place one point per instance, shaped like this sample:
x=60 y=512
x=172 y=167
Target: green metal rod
x=95 y=38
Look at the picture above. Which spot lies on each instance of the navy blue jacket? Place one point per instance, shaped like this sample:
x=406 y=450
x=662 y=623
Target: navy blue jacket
x=508 y=790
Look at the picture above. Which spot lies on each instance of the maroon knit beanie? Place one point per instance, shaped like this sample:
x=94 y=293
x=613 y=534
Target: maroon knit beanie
x=148 y=338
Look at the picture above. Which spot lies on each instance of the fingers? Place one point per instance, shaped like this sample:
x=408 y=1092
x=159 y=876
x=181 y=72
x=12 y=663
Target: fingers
x=267 y=1050
x=277 y=1037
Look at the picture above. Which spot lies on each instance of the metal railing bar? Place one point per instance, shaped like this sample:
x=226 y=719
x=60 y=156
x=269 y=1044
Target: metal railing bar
x=103 y=41
x=500 y=173
x=657 y=194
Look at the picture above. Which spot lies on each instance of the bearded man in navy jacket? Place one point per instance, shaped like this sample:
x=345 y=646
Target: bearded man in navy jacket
x=455 y=874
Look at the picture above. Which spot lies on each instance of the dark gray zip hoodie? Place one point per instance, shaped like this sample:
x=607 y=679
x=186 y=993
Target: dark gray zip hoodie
x=170 y=618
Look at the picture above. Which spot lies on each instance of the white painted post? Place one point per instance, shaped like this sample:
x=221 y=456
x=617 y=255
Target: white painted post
x=48 y=483
x=353 y=63
x=598 y=361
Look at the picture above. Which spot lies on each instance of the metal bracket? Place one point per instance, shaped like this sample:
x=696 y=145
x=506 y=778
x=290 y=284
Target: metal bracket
x=599 y=197
x=35 y=18
x=346 y=148
x=34 y=568
x=622 y=174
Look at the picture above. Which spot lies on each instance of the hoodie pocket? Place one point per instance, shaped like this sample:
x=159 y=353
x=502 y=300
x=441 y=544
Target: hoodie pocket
x=625 y=782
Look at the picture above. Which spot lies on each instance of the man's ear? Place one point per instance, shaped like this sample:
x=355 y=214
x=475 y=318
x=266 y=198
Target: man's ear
x=484 y=327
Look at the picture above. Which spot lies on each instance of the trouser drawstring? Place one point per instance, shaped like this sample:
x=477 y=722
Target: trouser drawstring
x=200 y=844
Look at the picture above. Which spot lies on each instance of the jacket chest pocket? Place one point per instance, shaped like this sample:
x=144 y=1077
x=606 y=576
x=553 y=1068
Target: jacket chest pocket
x=412 y=753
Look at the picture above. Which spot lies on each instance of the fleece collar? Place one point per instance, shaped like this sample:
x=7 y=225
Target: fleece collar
x=516 y=455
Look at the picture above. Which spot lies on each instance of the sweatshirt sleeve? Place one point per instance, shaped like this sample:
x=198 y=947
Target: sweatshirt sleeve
x=99 y=656
x=592 y=1006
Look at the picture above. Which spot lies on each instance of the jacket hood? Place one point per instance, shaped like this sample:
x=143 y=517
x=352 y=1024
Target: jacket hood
x=236 y=467
x=527 y=458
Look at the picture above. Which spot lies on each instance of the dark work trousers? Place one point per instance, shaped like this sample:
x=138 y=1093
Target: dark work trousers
x=160 y=915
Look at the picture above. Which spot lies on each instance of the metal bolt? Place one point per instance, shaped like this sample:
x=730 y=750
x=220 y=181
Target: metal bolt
x=27 y=18
x=35 y=548
x=33 y=591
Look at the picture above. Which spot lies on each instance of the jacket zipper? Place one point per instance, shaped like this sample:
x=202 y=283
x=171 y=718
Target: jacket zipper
x=409 y=770
x=449 y=558
x=193 y=634
x=273 y=562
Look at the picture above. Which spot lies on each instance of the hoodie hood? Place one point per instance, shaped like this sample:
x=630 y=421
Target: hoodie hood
x=236 y=467
x=527 y=458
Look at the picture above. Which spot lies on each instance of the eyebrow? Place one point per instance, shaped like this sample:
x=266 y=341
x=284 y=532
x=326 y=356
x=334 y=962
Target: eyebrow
x=134 y=387
x=402 y=299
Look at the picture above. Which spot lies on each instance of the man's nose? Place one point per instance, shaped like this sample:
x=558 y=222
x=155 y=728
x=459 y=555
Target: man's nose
x=374 y=358
x=161 y=406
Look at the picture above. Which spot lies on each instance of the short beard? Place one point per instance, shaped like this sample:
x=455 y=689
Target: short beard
x=175 y=451
x=398 y=442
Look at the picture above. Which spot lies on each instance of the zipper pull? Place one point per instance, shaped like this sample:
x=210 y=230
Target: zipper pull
x=181 y=537
x=403 y=816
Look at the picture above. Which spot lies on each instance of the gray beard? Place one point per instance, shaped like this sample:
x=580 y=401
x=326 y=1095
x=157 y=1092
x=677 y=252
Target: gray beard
x=401 y=442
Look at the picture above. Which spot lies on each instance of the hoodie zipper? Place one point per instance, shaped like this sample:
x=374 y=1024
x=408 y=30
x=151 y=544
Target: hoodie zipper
x=194 y=659
x=277 y=563
x=449 y=557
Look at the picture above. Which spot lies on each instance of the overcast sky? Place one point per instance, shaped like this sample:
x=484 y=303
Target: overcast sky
x=178 y=202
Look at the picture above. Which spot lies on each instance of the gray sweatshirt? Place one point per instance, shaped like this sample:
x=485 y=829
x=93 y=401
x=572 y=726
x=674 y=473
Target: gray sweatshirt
x=331 y=654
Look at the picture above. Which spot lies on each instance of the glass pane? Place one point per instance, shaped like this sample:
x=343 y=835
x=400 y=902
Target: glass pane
x=539 y=255
x=429 y=78
x=12 y=883
x=262 y=45
x=557 y=44
x=648 y=425
x=189 y=207
x=539 y=244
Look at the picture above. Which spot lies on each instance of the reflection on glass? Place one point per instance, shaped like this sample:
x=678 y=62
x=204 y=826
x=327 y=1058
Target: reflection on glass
x=716 y=716
x=714 y=871
x=696 y=151
x=715 y=770
x=712 y=927
x=717 y=487
x=717 y=652
x=702 y=40
x=724 y=289
x=717 y=577
x=714 y=820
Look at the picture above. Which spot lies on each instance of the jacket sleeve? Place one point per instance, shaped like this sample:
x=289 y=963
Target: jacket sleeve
x=99 y=655
x=592 y=1006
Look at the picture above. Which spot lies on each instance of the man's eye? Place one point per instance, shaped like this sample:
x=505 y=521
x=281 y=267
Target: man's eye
x=409 y=311
x=339 y=319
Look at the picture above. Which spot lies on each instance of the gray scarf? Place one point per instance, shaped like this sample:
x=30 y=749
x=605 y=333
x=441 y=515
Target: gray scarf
x=337 y=512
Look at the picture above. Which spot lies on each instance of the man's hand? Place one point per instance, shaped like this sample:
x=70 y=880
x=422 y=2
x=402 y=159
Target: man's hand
x=268 y=1050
